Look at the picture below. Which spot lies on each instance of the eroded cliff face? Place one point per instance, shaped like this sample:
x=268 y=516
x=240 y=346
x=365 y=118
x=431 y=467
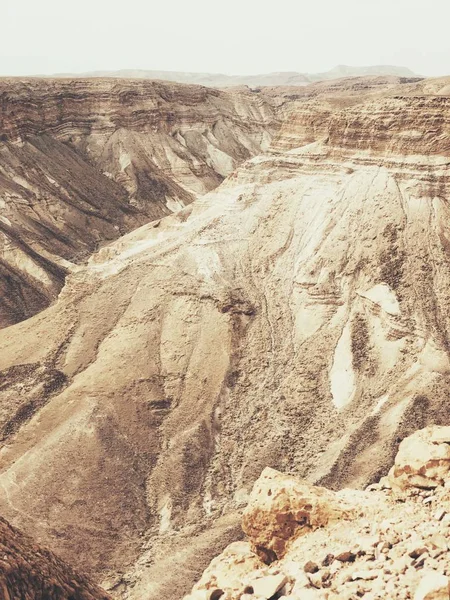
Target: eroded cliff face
x=139 y=131
x=55 y=209
x=296 y=317
x=373 y=127
x=83 y=162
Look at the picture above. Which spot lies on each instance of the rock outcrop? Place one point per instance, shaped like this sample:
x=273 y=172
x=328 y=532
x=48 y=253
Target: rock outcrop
x=380 y=549
x=296 y=317
x=282 y=507
x=30 y=572
x=433 y=586
x=423 y=121
x=423 y=460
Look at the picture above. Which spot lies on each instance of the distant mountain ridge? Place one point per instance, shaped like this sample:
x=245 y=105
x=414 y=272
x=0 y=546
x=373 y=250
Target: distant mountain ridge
x=346 y=71
x=288 y=78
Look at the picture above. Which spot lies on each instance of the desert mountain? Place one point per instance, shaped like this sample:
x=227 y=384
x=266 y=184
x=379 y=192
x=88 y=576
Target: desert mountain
x=284 y=78
x=370 y=71
x=30 y=572
x=216 y=80
x=296 y=317
x=83 y=162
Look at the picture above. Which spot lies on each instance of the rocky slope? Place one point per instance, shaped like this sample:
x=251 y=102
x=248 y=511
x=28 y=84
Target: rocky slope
x=307 y=543
x=83 y=162
x=296 y=317
x=29 y=572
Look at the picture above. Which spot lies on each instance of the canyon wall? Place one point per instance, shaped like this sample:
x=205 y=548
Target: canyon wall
x=83 y=162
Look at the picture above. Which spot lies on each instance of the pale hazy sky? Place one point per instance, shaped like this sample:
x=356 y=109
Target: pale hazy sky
x=228 y=36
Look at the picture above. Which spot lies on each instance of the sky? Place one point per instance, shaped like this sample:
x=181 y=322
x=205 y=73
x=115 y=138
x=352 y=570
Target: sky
x=230 y=36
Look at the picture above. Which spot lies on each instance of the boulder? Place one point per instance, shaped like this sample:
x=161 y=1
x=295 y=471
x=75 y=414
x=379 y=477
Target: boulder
x=433 y=586
x=231 y=572
x=282 y=507
x=422 y=461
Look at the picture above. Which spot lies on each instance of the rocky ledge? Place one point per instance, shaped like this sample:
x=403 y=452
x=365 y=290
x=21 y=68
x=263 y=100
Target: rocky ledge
x=308 y=543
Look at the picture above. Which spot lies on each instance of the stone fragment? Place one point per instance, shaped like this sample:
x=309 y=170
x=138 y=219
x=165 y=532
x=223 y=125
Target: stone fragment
x=325 y=574
x=419 y=562
x=433 y=586
x=311 y=567
x=282 y=507
x=439 y=541
x=392 y=539
x=329 y=558
x=416 y=551
x=268 y=586
x=365 y=575
x=346 y=557
x=439 y=514
x=287 y=588
x=315 y=580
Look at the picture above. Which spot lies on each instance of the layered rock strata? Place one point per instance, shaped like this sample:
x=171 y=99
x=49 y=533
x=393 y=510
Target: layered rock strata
x=83 y=162
x=138 y=132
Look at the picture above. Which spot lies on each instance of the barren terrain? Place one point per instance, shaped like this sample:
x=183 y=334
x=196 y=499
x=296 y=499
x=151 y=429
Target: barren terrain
x=294 y=317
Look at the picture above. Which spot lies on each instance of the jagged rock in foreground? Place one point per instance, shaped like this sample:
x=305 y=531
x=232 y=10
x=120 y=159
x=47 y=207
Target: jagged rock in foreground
x=296 y=317
x=29 y=572
x=381 y=548
x=271 y=519
x=423 y=460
